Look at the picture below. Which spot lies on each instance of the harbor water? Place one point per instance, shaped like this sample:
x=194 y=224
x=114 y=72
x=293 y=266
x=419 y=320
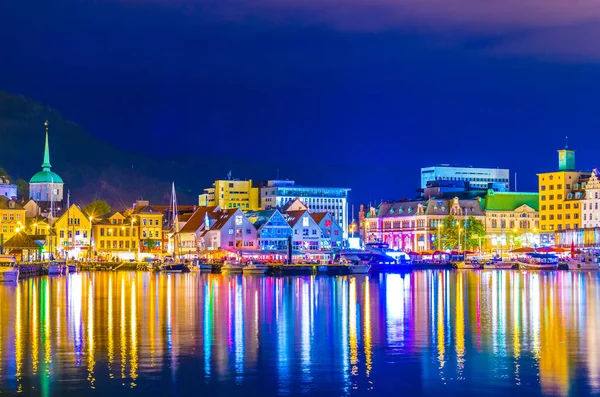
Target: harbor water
x=426 y=332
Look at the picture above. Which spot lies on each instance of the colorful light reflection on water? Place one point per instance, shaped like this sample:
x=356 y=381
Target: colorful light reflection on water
x=422 y=333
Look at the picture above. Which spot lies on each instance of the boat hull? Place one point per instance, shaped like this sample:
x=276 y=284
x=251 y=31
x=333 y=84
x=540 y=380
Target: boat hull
x=55 y=269
x=499 y=266
x=173 y=268
x=72 y=268
x=538 y=266
x=359 y=269
x=255 y=270
x=231 y=269
x=465 y=265
x=9 y=276
x=580 y=265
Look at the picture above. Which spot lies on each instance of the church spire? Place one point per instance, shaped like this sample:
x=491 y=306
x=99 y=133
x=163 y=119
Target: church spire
x=46 y=164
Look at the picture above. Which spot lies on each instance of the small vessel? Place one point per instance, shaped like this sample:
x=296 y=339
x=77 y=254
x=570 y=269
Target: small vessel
x=232 y=267
x=56 y=268
x=173 y=267
x=538 y=261
x=200 y=266
x=9 y=270
x=357 y=266
x=469 y=262
x=585 y=261
x=255 y=268
x=72 y=267
x=498 y=265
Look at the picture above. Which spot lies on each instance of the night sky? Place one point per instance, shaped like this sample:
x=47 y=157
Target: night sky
x=364 y=91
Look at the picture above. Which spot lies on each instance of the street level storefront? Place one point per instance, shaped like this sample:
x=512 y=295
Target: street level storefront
x=580 y=238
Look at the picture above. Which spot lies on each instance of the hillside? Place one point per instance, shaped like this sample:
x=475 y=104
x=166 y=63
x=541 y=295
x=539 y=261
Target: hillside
x=91 y=168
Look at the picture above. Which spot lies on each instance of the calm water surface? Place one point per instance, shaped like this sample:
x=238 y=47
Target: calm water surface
x=420 y=333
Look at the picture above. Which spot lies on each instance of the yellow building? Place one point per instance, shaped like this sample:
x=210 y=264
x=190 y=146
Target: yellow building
x=561 y=193
x=231 y=194
x=115 y=236
x=149 y=223
x=73 y=230
x=12 y=218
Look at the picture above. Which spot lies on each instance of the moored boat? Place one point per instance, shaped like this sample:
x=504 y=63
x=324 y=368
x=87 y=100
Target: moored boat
x=56 y=268
x=231 y=267
x=585 y=261
x=173 y=267
x=538 y=261
x=255 y=268
x=499 y=265
x=72 y=267
x=9 y=271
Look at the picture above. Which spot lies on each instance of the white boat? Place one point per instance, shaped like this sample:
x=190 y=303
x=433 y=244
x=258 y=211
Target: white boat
x=56 y=268
x=538 y=261
x=469 y=262
x=357 y=265
x=586 y=261
x=498 y=265
x=231 y=267
x=255 y=268
x=9 y=271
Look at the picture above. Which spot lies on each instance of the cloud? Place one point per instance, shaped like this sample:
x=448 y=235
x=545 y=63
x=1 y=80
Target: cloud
x=546 y=28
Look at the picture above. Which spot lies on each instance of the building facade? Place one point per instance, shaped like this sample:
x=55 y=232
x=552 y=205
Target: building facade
x=480 y=178
x=231 y=194
x=511 y=219
x=272 y=229
x=149 y=222
x=73 y=229
x=12 y=218
x=115 y=235
x=590 y=204
x=46 y=186
x=415 y=225
x=7 y=189
x=277 y=194
x=332 y=235
x=306 y=233
x=231 y=231
x=561 y=194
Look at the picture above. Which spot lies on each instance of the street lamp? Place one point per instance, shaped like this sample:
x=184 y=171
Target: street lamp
x=439 y=236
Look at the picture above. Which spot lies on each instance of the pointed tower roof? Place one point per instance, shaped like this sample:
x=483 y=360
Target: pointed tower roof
x=46 y=166
x=45 y=175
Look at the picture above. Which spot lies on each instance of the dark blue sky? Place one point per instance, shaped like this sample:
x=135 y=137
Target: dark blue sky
x=364 y=93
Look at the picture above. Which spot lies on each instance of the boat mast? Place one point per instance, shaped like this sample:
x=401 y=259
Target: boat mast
x=175 y=223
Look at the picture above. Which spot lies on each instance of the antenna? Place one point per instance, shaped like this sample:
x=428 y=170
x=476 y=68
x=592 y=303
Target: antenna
x=566 y=142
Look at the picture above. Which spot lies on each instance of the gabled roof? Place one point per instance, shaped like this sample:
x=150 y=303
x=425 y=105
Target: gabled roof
x=21 y=241
x=196 y=219
x=294 y=216
x=223 y=216
x=259 y=218
x=296 y=201
x=318 y=216
x=5 y=204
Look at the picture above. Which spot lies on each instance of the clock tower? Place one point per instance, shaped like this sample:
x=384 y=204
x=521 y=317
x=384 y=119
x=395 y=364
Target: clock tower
x=566 y=159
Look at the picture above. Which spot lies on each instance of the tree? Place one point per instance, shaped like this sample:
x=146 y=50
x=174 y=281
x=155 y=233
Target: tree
x=453 y=232
x=97 y=208
x=22 y=188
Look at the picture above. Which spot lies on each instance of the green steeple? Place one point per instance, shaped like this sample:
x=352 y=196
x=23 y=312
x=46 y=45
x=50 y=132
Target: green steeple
x=46 y=166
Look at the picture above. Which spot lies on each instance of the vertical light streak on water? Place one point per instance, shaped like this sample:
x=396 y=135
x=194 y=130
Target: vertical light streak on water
x=344 y=319
x=367 y=329
x=478 y=314
x=133 y=374
x=75 y=302
x=283 y=366
x=460 y=326
x=353 y=328
x=172 y=355
x=34 y=328
x=239 y=332
x=394 y=296
x=256 y=321
x=47 y=331
x=18 y=341
x=535 y=314
x=446 y=288
x=306 y=320
x=516 y=305
x=592 y=345
x=503 y=313
x=111 y=336
x=122 y=335
x=441 y=348
x=495 y=319
x=90 y=335
x=208 y=299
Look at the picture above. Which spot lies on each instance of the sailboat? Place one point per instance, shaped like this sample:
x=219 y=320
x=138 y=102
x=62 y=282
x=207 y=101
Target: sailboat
x=174 y=265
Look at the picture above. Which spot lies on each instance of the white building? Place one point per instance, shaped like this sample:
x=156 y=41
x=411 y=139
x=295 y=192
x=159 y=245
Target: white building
x=278 y=193
x=231 y=231
x=589 y=209
x=479 y=178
